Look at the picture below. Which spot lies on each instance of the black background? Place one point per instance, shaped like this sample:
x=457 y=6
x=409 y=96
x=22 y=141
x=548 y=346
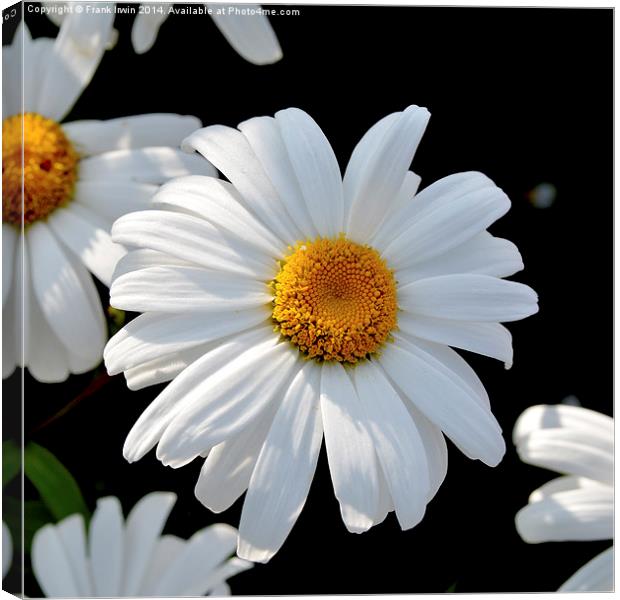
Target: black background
x=523 y=95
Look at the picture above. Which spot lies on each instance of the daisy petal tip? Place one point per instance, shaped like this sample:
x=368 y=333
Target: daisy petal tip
x=250 y=553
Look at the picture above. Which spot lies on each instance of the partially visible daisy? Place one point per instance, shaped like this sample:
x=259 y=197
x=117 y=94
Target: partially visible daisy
x=292 y=304
x=132 y=557
x=244 y=26
x=77 y=179
x=7 y=549
x=578 y=506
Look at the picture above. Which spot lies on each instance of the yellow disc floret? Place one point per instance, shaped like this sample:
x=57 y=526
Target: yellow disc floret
x=35 y=150
x=335 y=299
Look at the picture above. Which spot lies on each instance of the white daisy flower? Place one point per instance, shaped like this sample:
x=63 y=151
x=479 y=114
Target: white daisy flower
x=132 y=557
x=579 y=505
x=244 y=26
x=292 y=304
x=78 y=178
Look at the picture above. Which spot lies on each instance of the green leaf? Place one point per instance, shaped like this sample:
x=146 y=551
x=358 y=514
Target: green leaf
x=451 y=589
x=11 y=461
x=59 y=491
x=36 y=515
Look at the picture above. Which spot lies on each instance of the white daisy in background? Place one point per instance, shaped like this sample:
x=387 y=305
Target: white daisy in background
x=244 y=26
x=78 y=178
x=132 y=557
x=292 y=304
x=7 y=549
x=579 y=505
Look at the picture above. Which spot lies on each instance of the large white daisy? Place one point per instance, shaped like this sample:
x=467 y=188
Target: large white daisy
x=77 y=179
x=132 y=557
x=292 y=304
x=244 y=26
x=579 y=506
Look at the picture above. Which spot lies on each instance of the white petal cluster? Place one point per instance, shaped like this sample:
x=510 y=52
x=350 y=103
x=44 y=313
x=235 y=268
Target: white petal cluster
x=132 y=557
x=199 y=269
x=578 y=506
x=123 y=162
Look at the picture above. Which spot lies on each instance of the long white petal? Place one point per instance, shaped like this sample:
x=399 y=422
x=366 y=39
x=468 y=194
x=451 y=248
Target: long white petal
x=10 y=239
x=227 y=402
x=350 y=451
x=477 y=298
x=281 y=479
x=155 y=164
x=398 y=444
x=317 y=170
x=441 y=396
x=597 y=575
x=76 y=53
x=231 y=153
x=148 y=428
x=489 y=339
x=139 y=131
x=142 y=530
x=167 y=550
x=250 y=35
x=72 y=533
x=146 y=26
x=582 y=514
x=106 y=547
x=381 y=172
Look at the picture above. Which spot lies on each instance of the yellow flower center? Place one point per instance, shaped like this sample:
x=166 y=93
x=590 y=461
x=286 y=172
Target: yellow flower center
x=48 y=169
x=335 y=299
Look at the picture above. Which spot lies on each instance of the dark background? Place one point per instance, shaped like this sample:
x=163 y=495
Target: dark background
x=523 y=95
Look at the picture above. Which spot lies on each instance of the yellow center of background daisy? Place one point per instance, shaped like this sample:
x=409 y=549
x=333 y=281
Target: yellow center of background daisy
x=49 y=167
x=335 y=299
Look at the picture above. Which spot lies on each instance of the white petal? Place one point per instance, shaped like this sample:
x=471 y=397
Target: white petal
x=477 y=298
x=144 y=525
x=161 y=370
x=562 y=416
x=151 y=336
x=151 y=424
x=113 y=199
x=51 y=565
x=407 y=191
x=488 y=339
x=572 y=451
x=220 y=204
x=145 y=165
x=446 y=226
x=106 y=547
x=250 y=35
x=483 y=254
x=226 y=472
x=225 y=571
x=442 y=397
x=597 y=575
x=10 y=239
x=284 y=470
x=457 y=364
x=398 y=444
x=381 y=170
x=179 y=289
x=167 y=549
x=139 y=131
x=265 y=138
x=228 y=401
x=230 y=152
x=72 y=534
x=147 y=24
x=136 y=260
x=563 y=484
x=445 y=193
x=317 y=170
x=192 y=568
x=66 y=294
x=581 y=515
x=12 y=73
x=87 y=235
x=350 y=451
x=76 y=53
x=192 y=239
